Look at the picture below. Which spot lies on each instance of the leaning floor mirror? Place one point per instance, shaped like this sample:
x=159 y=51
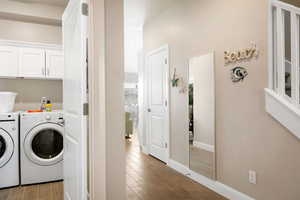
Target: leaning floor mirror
x=202 y=115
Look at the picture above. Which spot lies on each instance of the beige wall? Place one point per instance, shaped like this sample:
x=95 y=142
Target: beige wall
x=31 y=91
x=246 y=136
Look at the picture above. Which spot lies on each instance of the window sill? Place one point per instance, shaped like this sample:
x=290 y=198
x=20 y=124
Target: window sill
x=283 y=111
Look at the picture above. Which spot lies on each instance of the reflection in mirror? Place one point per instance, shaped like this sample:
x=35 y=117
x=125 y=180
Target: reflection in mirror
x=202 y=115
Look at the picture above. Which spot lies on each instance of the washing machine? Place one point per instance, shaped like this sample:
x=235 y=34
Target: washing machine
x=41 y=147
x=9 y=150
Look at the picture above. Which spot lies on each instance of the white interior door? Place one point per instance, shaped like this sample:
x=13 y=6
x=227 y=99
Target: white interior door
x=158 y=120
x=75 y=96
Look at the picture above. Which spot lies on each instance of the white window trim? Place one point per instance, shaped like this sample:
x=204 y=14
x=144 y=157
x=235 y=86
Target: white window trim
x=283 y=108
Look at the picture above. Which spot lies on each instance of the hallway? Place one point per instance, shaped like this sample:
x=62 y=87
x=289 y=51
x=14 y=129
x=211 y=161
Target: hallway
x=150 y=179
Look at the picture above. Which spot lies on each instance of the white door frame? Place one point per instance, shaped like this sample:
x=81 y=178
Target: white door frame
x=147 y=150
x=107 y=174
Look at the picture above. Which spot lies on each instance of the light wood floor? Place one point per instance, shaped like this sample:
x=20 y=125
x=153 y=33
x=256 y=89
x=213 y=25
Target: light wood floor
x=147 y=179
x=150 y=179
x=50 y=191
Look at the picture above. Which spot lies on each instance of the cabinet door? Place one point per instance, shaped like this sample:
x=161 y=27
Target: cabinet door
x=9 y=61
x=32 y=63
x=55 y=64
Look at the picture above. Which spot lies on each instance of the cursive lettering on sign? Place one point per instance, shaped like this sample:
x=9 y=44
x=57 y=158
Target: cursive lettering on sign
x=245 y=54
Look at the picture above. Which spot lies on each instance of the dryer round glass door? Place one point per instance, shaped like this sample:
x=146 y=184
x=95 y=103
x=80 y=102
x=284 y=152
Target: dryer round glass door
x=6 y=147
x=44 y=144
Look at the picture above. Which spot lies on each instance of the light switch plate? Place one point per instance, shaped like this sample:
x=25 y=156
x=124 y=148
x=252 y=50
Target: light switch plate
x=252 y=177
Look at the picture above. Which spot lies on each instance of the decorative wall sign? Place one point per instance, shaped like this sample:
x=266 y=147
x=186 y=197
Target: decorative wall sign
x=246 y=54
x=238 y=74
x=178 y=82
x=175 y=79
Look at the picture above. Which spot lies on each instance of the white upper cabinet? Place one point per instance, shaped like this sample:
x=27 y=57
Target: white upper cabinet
x=9 y=61
x=54 y=64
x=32 y=63
x=31 y=60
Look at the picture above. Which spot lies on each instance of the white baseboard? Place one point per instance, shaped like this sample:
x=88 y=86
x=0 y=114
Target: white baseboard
x=231 y=193
x=178 y=167
x=145 y=150
x=206 y=147
x=216 y=186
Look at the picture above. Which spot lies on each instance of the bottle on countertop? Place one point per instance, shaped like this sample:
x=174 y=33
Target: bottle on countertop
x=43 y=103
x=48 y=106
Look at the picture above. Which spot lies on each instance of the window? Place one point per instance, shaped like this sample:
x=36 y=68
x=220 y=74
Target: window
x=287 y=53
x=274 y=52
x=284 y=53
x=283 y=94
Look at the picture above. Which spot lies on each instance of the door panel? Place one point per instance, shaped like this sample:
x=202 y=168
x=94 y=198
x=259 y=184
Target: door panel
x=157 y=79
x=71 y=179
x=32 y=62
x=157 y=127
x=157 y=68
x=55 y=64
x=9 y=61
x=75 y=96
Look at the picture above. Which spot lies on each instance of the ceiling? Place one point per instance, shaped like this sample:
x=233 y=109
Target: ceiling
x=61 y=3
x=137 y=12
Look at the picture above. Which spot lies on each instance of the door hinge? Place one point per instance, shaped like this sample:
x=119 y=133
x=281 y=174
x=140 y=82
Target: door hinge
x=166 y=103
x=85 y=109
x=166 y=145
x=85 y=9
x=166 y=61
x=87 y=65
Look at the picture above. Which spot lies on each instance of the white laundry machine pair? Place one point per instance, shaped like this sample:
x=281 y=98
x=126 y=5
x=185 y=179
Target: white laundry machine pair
x=9 y=150
x=41 y=147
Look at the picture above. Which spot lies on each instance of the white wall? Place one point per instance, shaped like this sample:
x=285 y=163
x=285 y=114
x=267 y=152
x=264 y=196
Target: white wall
x=133 y=45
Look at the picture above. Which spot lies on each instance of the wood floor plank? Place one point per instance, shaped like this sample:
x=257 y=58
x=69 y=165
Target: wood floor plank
x=4 y=194
x=16 y=193
x=44 y=192
x=31 y=192
x=58 y=191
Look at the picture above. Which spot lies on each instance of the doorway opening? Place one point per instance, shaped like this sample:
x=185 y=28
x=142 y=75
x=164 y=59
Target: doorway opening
x=146 y=86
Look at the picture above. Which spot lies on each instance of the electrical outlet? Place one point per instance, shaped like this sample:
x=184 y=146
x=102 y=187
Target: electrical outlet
x=252 y=176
